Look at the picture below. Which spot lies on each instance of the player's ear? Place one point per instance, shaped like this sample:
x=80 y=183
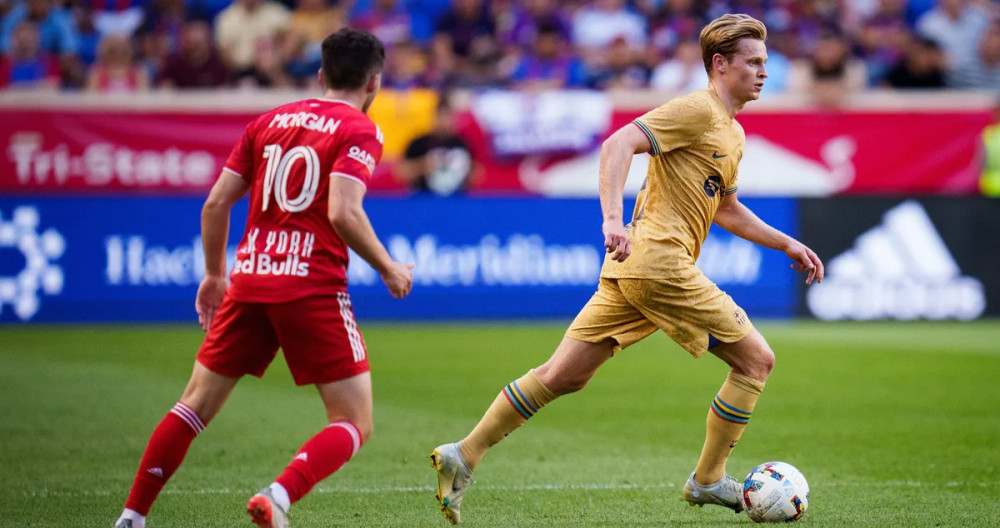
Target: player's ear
x=719 y=63
x=319 y=77
x=374 y=83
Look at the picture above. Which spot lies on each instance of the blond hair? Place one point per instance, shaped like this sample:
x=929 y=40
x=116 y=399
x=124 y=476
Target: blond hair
x=723 y=36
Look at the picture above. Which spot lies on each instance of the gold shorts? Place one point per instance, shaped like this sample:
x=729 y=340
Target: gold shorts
x=687 y=310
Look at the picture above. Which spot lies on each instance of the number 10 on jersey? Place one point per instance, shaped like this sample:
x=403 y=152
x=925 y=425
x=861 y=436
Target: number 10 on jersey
x=279 y=171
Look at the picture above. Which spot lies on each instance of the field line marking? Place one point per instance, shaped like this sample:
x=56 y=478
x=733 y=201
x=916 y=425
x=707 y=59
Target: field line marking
x=529 y=487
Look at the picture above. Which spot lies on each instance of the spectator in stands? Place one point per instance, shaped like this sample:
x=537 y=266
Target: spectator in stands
x=121 y=17
x=603 y=25
x=388 y=21
x=406 y=67
x=672 y=24
x=684 y=73
x=439 y=162
x=981 y=71
x=247 y=34
x=160 y=34
x=882 y=39
x=481 y=69
x=115 y=71
x=830 y=74
x=921 y=67
x=527 y=18
x=87 y=35
x=622 y=69
x=196 y=64
x=549 y=64
x=27 y=65
x=424 y=17
x=812 y=20
x=467 y=27
x=956 y=26
x=56 y=31
x=301 y=47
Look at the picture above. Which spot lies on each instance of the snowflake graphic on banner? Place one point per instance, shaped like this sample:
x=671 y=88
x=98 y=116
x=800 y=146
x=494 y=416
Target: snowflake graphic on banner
x=39 y=250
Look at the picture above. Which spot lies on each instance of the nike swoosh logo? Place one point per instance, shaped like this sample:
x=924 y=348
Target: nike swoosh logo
x=716 y=155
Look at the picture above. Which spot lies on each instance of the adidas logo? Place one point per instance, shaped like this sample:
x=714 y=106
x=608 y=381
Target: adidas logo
x=155 y=471
x=302 y=456
x=900 y=269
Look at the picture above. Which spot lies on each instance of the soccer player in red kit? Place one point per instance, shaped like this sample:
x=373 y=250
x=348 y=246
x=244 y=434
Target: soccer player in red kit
x=306 y=166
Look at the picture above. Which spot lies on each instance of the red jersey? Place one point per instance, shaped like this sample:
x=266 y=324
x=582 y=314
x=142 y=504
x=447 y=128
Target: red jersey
x=288 y=155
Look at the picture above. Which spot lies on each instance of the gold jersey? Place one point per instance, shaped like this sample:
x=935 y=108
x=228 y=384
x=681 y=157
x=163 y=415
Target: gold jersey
x=696 y=148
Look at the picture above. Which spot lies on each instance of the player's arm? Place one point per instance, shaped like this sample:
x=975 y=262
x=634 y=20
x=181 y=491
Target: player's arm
x=616 y=158
x=228 y=189
x=351 y=223
x=739 y=220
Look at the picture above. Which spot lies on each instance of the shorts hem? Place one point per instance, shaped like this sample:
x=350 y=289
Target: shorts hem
x=337 y=375
x=580 y=337
x=697 y=354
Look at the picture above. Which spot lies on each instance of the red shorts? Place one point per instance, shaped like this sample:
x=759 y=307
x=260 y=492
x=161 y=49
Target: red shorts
x=317 y=334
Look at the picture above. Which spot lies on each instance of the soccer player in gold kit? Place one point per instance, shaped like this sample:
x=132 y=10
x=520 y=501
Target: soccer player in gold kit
x=650 y=281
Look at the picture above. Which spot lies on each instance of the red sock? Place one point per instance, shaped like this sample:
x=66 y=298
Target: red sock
x=164 y=454
x=318 y=458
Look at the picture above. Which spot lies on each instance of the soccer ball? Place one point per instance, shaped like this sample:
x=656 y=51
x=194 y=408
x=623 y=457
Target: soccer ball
x=775 y=492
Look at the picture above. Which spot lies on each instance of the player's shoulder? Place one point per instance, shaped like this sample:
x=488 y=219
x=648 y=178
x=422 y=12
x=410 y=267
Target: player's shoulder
x=697 y=103
x=358 y=123
x=693 y=107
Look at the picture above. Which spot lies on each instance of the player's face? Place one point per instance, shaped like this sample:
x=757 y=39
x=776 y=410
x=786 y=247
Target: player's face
x=745 y=74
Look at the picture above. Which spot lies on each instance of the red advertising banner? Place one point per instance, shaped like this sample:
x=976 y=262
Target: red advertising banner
x=131 y=153
x=788 y=154
x=72 y=152
x=791 y=154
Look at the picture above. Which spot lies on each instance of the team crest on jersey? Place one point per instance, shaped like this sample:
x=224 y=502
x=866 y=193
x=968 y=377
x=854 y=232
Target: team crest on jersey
x=713 y=185
x=361 y=155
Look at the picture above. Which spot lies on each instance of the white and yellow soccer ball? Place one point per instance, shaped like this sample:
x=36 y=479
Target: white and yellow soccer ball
x=775 y=492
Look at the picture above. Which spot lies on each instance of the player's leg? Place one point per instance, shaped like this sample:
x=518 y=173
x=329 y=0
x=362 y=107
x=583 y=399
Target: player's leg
x=324 y=347
x=570 y=367
x=349 y=416
x=696 y=314
x=239 y=342
x=751 y=361
x=606 y=324
x=205 y=394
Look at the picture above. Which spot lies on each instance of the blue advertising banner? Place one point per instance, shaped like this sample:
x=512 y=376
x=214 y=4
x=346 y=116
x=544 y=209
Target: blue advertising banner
x=77 y=259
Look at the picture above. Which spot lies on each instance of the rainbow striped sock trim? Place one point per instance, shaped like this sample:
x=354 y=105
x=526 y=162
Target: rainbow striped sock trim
x=518 y=400
x=729 y=413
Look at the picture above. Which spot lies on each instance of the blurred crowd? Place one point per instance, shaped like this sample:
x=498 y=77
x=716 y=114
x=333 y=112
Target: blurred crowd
x=815 y=46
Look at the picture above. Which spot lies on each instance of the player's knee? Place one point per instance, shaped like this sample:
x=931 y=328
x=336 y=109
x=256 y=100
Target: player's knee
x=567 y=384
x=763 y=364
x=365 y=430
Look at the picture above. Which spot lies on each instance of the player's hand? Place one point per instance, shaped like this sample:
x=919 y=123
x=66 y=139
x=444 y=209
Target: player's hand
x=210 y=293
x=399 y=279
x=805 y=259
x=616 y=240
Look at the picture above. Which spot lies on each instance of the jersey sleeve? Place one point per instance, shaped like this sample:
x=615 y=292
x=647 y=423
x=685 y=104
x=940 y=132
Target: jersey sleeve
x=362 y=150
x=676 y=124
x=240 y=161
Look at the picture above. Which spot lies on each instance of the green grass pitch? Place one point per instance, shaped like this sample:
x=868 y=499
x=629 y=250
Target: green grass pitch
x=892 y=424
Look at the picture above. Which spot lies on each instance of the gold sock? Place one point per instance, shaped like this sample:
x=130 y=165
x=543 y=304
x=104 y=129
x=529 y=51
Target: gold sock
x=727 y=418
x=517 y=402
